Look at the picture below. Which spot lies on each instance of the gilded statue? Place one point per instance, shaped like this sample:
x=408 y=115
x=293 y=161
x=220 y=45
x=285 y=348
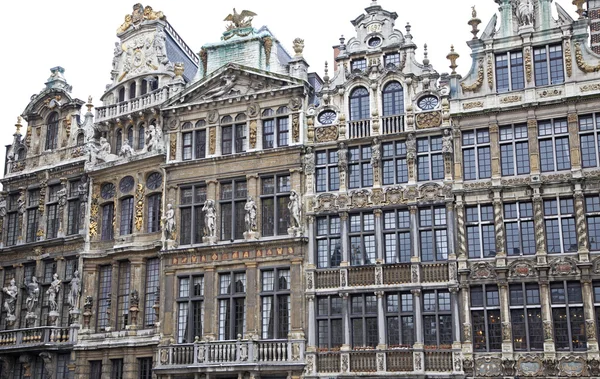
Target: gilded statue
x=240 y=20
x=125 y=25
x=149 y=14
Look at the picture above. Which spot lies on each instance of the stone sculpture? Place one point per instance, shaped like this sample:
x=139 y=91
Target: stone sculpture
x=210 y=218
x=294 y=207
x=250 y=217
x=10 y=301
x=52 y=293
x=74 y=291
x=33 y=294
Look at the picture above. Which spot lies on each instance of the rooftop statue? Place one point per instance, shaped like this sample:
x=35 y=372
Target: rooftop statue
x=240 y=20
x=138 y=15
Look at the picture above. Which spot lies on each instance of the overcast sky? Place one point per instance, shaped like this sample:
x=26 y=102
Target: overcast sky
x=80 y=36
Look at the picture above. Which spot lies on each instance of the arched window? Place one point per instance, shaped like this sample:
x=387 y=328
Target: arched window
x=20 y=154
x=154 y=211
x=118 y=141
x=121 y=94
x=153 y=83
x=359 y=104
x=126 y=226
x=144 y=89
x=141 y=137
x=130 y=136
x=393 y=99
x=132 y=90
x=52 y=132
x=80 y=139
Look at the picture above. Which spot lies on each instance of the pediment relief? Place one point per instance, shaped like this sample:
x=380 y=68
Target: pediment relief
x=49 y=100
x=522 y=269
x=563 y=266
x=483 y=270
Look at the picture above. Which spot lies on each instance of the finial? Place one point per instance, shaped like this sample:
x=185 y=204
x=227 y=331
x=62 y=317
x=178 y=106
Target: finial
x=408 y=27
x=452 y=57
x=342 y=40
x=298 y=46
x=474 y=22
x=473 y=12
x=89 y=105
x=425 y=59
x=373 y=3
x=579 y=5
x=326 y=76
x=18 y=125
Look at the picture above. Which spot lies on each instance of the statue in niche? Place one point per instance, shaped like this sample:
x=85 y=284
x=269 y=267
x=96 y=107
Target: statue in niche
x=52 y=293
x=33 y=294
x=126 y=149
x=74 y=291
x=447 y=147
x=250 y=217
x=294 y=207
x=10 y=301
x=210 y=218
x=169 y=223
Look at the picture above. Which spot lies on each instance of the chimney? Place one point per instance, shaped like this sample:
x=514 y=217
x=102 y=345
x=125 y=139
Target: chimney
x=594 y=16
x=336 y=52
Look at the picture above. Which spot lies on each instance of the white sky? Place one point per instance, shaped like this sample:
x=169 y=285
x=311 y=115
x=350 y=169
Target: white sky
x=80 y=36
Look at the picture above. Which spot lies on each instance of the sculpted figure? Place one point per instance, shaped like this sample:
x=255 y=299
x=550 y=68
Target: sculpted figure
x=2 y=207
x=226 y=84
x=10 y=301
x=375 y=153
x=309 y=161
x=210 y=218
x=52 y=293
x=250 y=217
x=411 y=146
x=294 y=207
x=125 y=25
x=342 y=157
x=525 y=12
x=126 y=149
x=33 y=294
x=169 y=222
x=240 y=20
x=74 y=291
x=447 y=147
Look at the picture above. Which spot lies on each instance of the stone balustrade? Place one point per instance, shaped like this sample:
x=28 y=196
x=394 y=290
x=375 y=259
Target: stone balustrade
x=20 y=338
x=149 y=100
x=392 y=124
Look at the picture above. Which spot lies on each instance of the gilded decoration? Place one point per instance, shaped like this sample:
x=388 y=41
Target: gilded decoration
x=490 y=73
x=572 y=366
x=429 y=120
x=522 y=269
x=139 y=207
x=252 y=133
x=590 y=87
x=204 y=59
x=528 y=64
x=472 y=104
x=326 y=133
x=483 y=270
x=583 y=66
x=212 y=140
x=94 y=209
x=530 y=365
x=268 y=44
x=511 y=99
x=139 y=14
x=488 y=366
x=474 y=87
x=568 y=59
x=296 y=127
x=550 y=93
x=173 y=147
x=563 y=266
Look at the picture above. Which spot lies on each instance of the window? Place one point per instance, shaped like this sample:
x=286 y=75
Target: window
x=514 y=150
x=359 y=104
x=554 y=145
x=192 y=217
x=329 y=253
x=395 y=170
x=126 y=226
x=233 y=138
x=391 y=60
x=567 y=316
x=95 y=369
x=52 y=215
x=329 y=322
x=152 y=289
x=481 y=238
x=396 y=236
x=233 y=200
x=74 y=208
x=274 y=202
x=62 y=369
x=476 y=154
x=430 y=162
x=104 y=293
x=118 y=141
x=108 y=212
x=145 y=368
x=509 y=71
x=548 y=57
x=400 y=320
x=428 y=103
x=526 y=317
x=46 y=280
x=559 y=218
x=154 y=181
x=359 y=167
x=121 y=94
x=232 y=305
x=590 y=140
x=154 y=210
x=276 y=304
x=80 y=141
x=597 y=305
x=123 y=295
x=132 y=87
x=592 y=211
x=275 y=130
x=326 y=171
x=363 y=321
x=190 y=304
x=130 y=136
x=485 y=316
x=71 y=265
x=361 y=228
x=393 y=99
x=519 y=227
x=33 y=214
x=359 y=64
x=433 y=234
x=437 y=319
x=13 y=231
x=194 y=142
x=116 y=371
x=52 y=132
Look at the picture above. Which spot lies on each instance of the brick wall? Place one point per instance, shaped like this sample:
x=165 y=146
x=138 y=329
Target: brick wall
x=594 y=16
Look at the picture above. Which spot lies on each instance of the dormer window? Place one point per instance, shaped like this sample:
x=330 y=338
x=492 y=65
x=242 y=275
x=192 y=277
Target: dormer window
x=359 y=64
x=52 y=132
x=392 y=60
x=428 y=103
x=374 y=42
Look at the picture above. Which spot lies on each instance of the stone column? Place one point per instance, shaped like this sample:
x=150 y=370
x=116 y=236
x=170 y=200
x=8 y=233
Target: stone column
x=346 y=317
x=210 y=292
x=252 y=307
x=495 y=151
x=451 y=232
x=455 y=315
x=89 y=286
x=460 y=229
x=418 y=317
x=581 y=225
x=312 y=329
x=381 y=321
x=573 y=122
x=538 y=221
x=344 y=237
x=311 y=241
x=137 y=282
x=499 y=225
x=546 y=314
x=590 y=317
x=466 y=315
x=505 y=317
x=296 y=299
x=379 y=234
x=534 y=155
x=458 y=174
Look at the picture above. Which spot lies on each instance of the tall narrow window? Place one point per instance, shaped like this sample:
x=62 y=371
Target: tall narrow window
x=433 y=234
x=118 y=141
x=226 y=135
x=396 y=236
x=395 y=169
x=481 y=239
x=363 y=321
x=152 y=290
x=359 y=104
x=145 y=368
x=393 y=99
x=52 y=215
x=232 y=305
x=430 y=162
x=485 y=316
x=327 y=173
x=518 y=224
x=400 y=319
x=514 y=150
x=132 y=88
x=52 y=132
x=548 y=65
x=360 y=170
x=240 y=133
x=33 y=214
x=141 y=141
x=104 y=293
x=275 y=303
x=559 y=219
x=95 y=369
x=108 y=212
x=329 y=253
x=554 y=145
x=130 y=136
x=275 y=130
x=589 y=137
x=274 y=205
x=13 y=230
x=477 y=160
x=437 y=319
x=567 y=316
x=361 y=229
x=200 y=140
x=329 y=322
x=233 y=137
x=592 y=213
x=126 y=225
x=116 y=369
x=192 y=216
x=123 y=295
x=190 y=302
x=526 y=317
x=233 y=200
x=154 y=209
x=74 y=208
x=509 y=71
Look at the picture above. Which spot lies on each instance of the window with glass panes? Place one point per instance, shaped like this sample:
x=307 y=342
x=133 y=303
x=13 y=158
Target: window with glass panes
x=361 y=234
x=476 y=154
x=363 y=320
x=123 y=291
x=481 y=239
x=232 y=305
x=104 y=293
x=395 y=170
x=548 y=65
x=433 y=234
x=151 y=291
x=519 y=228
x=326 y=171
x=49 y=270
x=392 y=59
x=190 y=312
x=13 y=228
x=360 y=171
x=554 y=145
x=118 y=141
x=328 y=233
x=509 y=71
x=437 y=319
x=233 y=134
x=62 y=369
x=116 y=369
x=400 y=319
x=396 y=236
x=514 y=150
x=191 y=215
x=73 y=208
x=526 y=317
x=592 y=213
x=358 y=64
x=589 y=137
x=141 y=140
x=233 y=200
x=567 y=316
x=430 y=162
x=194 y=141
x=275 y=303
x=330 y=329
x=145 y=368
x=393 y=99
x=276 y=129
x=485 y=318
x=108 y=213
x=95 y=369
x=126 y=224
x=359 y=104
x=52 y=132
x=274 y=205
x=154 y=212
x=596 y=287
x=33 y=214
x=559 y=220
x=52 y=211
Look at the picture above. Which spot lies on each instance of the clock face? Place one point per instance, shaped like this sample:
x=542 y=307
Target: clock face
x=126 y=184
x=374 y=42
x=107 y=191
x=327 y=117
x=428 y=103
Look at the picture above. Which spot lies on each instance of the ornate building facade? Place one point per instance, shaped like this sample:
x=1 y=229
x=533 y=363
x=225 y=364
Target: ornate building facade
x=228 y=214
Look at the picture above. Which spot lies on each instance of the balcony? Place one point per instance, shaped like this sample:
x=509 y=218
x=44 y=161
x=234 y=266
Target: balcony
x=275 y=353
x=137 y=104
x=45 y=336
x=392 y=124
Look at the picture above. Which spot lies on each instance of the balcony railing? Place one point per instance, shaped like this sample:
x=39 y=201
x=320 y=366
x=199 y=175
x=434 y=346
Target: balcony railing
x=19 y=338
x=392 y=124
x=240 y=351
x=435 y=273
x=139 y=103
x=439 y=361
x=396 y=274
x=327 y=279
x=361 y=276
x=359 y=129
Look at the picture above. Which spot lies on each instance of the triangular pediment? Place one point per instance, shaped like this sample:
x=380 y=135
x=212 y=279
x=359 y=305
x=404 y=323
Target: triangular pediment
x=233 y=81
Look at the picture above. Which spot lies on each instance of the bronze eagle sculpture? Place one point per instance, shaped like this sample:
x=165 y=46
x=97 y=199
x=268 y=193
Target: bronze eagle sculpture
x=240 y=20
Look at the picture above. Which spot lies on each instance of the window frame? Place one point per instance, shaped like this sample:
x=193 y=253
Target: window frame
x=275 y=222
x=329 y=341
x=329 y=221
x=568 y=306
x=237 y=217
x=554 y=137
x=394 y=163
x=52 y=131
x=430 y=159
x=359 y=104
x=104 y=297
x=511 y=163
x=230 y=299
x=481 y=226
x=327 y=176
x=485 y=309
x=127 y=207
x=280 y=301
x=33 y=214
x=543 y=67
x=514 y=71
x=364 y=319
x=521 y=217
x=438 y=313
x=365 y=234
x=360 y=169
x=433 y=228
x=481 y=162
x=560 y=217
x=395 y=231
x=526 y=306
x=193 y=302
x=195 y=226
